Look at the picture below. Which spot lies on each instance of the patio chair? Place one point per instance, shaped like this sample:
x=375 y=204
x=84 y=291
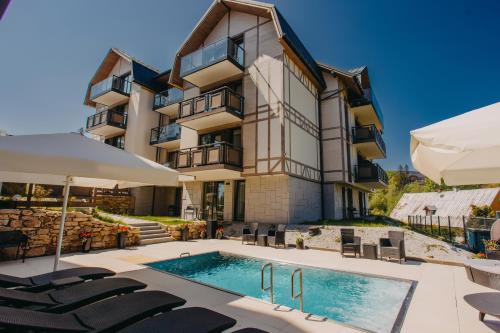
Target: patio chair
x=349 y=242
x=72 y=297
x=247 y=236
x=185 y=320
x=42 y=281
x=14 y=238
x=393 y=247
x=108 y=315
x=276 y=237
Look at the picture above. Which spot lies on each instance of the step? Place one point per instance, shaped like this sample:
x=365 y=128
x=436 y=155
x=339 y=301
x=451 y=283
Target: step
x=142 y=224
x=158 y=235
x=156 y=240
x=150 y=232
x=155 y=227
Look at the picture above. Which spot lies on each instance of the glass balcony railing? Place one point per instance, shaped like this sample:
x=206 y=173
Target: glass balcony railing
x=224 y=49
x=368 y=133
x=167 y=97
x=215 y=153
x=212 y=100
x=112 y=83
x=165 y=133
x=113 y=117
x=366 y=172
x=368 y=98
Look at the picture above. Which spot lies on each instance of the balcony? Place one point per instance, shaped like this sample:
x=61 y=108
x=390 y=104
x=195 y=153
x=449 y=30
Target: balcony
x=369 y=142
x=107 y=123
x=366 y=109
x=216 y=62
x=371 y=175
x=218 y=108
x=111 y=91
x=167 y=102
x=217 y=161
x=168 y=137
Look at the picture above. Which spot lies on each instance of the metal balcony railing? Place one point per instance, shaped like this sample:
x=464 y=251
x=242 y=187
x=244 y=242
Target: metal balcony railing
x=224 y=49
x=215 y=153
x=165 y=133
x=368 y=133
x=370 y=172
x=215 y=99
x=167 y=97
x=114 y=117
x=367 y=98
x=112 y=83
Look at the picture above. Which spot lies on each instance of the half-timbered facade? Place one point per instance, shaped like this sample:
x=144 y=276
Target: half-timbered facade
x=259 y=131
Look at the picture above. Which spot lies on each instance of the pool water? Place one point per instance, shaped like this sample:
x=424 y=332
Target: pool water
x=367 y=302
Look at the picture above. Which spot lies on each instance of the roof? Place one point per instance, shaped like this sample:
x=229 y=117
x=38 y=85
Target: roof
x=449 y=203
x=216 y=12
x=142 y=73
x=347 y=76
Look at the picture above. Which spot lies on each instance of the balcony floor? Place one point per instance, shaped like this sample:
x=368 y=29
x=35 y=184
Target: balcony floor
x=172 y=144
x=111 y=98
x=171 y=110
x=217 y=118
x=218 y=72
x=370 y=150
x=106 y=130
x=212 y=172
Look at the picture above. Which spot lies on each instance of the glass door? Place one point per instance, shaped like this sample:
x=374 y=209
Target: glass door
x=239 y=200
x=213 y=201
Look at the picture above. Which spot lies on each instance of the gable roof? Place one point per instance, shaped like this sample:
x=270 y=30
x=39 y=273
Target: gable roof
x=448 y=203
x=287 y=37
x=347 y=76
x=142 y=73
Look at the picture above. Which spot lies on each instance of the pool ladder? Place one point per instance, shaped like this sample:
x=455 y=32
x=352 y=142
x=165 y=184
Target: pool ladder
x=270 y=287
x=300 y=294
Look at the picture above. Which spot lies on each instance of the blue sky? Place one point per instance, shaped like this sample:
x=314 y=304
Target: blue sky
x=428 y=60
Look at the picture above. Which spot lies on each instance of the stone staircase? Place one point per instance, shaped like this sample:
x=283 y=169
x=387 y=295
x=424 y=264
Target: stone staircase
x=151 y=233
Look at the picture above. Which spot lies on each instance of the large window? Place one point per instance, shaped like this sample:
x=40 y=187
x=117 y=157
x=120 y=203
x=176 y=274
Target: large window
x=239 y=200
x=117 y=141
x=232 y=136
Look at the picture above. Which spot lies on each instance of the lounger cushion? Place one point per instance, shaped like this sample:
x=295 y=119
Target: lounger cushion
x=250 y=330
x=187 y=320
x=107 y=315
x=86 y=273
x=119 y=312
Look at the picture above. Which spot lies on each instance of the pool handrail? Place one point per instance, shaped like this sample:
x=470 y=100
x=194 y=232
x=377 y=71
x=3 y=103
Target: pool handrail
x=300 y=294
x=271 y=285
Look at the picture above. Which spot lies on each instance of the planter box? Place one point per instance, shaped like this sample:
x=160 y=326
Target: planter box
x=495 y=255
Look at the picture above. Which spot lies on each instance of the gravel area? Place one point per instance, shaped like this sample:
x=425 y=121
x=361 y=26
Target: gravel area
x=416 y=245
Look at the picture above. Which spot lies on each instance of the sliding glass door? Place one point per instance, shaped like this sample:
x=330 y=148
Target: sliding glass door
x=213 y=201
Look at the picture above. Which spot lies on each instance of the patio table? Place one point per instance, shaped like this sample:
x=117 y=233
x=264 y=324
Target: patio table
x=262 y=240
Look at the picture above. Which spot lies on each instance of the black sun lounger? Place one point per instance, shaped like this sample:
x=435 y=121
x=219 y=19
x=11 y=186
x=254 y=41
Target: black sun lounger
x=43 y=280
x=250 y=330
x=70 y=298
x=108 y=315
x=186 y=320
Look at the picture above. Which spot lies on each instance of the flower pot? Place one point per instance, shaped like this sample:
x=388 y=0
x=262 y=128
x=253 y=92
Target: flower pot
x=493 y=254
x=203 y=234
x=299 y=245
x=121 y=240
x=86 y=244
x=185 y=235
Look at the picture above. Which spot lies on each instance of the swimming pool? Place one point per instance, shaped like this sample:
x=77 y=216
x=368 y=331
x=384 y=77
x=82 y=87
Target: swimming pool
x=369 y=302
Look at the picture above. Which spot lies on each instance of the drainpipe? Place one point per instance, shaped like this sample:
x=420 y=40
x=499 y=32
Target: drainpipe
x=321 y=177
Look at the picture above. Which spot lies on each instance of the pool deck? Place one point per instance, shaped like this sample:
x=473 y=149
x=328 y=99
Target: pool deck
x=437 y=304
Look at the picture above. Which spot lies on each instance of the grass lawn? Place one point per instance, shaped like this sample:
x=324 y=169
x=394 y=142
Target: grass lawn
x=350 y=223
x=167 y=220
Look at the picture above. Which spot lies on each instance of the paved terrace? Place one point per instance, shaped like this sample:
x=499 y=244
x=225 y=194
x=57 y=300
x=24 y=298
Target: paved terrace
x=437 y=304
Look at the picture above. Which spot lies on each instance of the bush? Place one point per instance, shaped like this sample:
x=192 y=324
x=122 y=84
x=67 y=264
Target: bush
x=482 y=211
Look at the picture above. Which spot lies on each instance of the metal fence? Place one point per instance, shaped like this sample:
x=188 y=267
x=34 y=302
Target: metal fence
x=470 y=233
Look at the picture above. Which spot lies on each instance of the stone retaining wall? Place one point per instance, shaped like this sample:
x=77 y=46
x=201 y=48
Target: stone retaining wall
x=115 y=204
x=42 y=228
x=195 y=229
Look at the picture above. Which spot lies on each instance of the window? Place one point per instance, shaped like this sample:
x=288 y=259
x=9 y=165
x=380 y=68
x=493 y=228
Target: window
x=117 y=141
x=232 y=135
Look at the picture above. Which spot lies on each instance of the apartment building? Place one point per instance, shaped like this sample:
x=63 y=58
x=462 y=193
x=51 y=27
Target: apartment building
x=258 y=129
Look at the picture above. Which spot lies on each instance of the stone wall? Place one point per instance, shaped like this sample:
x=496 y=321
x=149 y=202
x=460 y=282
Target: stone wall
x=195 y=229
x=42 y=228
x=115 y=204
